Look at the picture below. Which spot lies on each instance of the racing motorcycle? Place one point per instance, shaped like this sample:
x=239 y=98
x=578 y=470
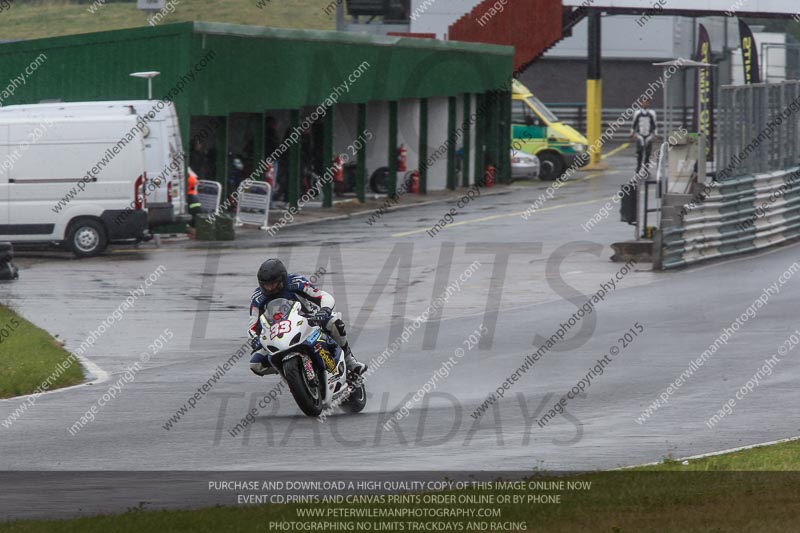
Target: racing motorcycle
x=308 y=359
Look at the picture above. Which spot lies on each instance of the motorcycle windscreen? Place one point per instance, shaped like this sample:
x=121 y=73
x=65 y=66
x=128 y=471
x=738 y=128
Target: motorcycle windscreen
x=278 y=309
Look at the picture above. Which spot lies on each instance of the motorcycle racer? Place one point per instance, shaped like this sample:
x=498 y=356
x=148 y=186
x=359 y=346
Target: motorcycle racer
x=275 y=282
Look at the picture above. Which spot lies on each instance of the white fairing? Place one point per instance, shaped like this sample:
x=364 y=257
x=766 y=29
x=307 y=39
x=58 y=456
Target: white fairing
x=281 y=335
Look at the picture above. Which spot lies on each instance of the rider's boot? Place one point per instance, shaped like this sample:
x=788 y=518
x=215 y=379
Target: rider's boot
x=354 y=366
x=336 y=330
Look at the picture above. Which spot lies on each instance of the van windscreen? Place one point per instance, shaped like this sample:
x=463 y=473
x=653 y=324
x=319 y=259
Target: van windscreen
x=546 y=114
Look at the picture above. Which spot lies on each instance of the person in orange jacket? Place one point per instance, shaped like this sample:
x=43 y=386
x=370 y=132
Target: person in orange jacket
x=191 y=198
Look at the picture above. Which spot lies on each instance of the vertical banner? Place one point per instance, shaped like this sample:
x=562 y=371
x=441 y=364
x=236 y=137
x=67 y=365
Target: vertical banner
x=752 y=74
x=704 y=93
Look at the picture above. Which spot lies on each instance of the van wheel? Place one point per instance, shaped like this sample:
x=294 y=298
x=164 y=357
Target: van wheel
x=379 y=181
x=87 y=238
x=552 y=166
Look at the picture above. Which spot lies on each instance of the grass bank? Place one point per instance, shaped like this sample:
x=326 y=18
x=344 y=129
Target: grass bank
x=28 y=356
x=53 y=18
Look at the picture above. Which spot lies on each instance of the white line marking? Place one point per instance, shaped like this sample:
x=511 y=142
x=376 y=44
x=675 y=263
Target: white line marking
x=712 y=454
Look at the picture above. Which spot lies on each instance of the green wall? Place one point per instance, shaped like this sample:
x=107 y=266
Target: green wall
x=96 y=66
x=266 y=68
x=254 y=68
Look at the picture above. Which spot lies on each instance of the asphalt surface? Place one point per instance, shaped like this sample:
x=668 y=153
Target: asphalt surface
x=533 y=275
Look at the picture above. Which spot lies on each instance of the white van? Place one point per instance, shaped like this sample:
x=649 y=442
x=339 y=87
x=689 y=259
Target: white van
x=164 y=158
x=77 y=181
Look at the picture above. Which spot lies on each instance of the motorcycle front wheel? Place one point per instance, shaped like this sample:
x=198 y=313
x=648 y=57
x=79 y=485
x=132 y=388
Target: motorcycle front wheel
x=308 y=395
x=357 y=400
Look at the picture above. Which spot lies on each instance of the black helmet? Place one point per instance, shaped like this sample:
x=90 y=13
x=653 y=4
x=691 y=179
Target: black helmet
x=269 y=272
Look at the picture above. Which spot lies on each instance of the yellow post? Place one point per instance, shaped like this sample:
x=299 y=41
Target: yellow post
x=594 y=119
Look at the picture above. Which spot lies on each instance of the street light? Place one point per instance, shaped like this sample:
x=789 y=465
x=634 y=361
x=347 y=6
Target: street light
x=149 y=75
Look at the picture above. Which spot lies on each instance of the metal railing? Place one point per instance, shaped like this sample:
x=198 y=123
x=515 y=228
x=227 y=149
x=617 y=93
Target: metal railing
x=754 y=202
x=574 y=114
x=780 y=61
x=757 y=129
x=660 y=183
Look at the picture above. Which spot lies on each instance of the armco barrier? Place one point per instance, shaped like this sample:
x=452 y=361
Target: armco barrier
x=741 y=214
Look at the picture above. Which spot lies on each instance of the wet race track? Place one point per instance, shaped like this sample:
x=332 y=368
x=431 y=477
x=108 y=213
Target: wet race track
x=514 y=284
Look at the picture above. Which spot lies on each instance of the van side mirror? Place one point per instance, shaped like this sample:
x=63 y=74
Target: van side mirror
x=530 y=120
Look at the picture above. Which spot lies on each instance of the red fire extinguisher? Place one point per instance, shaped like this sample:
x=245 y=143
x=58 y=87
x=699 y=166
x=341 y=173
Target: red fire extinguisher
x=269 y=174
x=401 y=159
x=488 y=176
x=413 y=185
x=338 y=175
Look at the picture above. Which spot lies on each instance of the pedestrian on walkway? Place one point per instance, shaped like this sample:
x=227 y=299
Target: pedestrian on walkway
x=644 y=130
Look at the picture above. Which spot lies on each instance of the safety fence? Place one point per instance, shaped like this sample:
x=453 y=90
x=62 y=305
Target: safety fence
x=757 y=129
x=754 y=202
x=739 y=215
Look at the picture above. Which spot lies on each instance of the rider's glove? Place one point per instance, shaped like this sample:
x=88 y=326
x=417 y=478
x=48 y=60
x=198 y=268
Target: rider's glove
x=297 y=284
x=322 y=316
x=255 y=344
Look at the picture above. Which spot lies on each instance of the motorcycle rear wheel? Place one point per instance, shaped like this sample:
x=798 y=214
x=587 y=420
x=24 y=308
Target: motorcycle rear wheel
x=307 y=395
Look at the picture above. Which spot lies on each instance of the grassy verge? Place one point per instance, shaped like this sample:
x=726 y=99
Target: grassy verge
x=722 y=493
x=28 y=356
x=53 y=18
x=784 y=457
